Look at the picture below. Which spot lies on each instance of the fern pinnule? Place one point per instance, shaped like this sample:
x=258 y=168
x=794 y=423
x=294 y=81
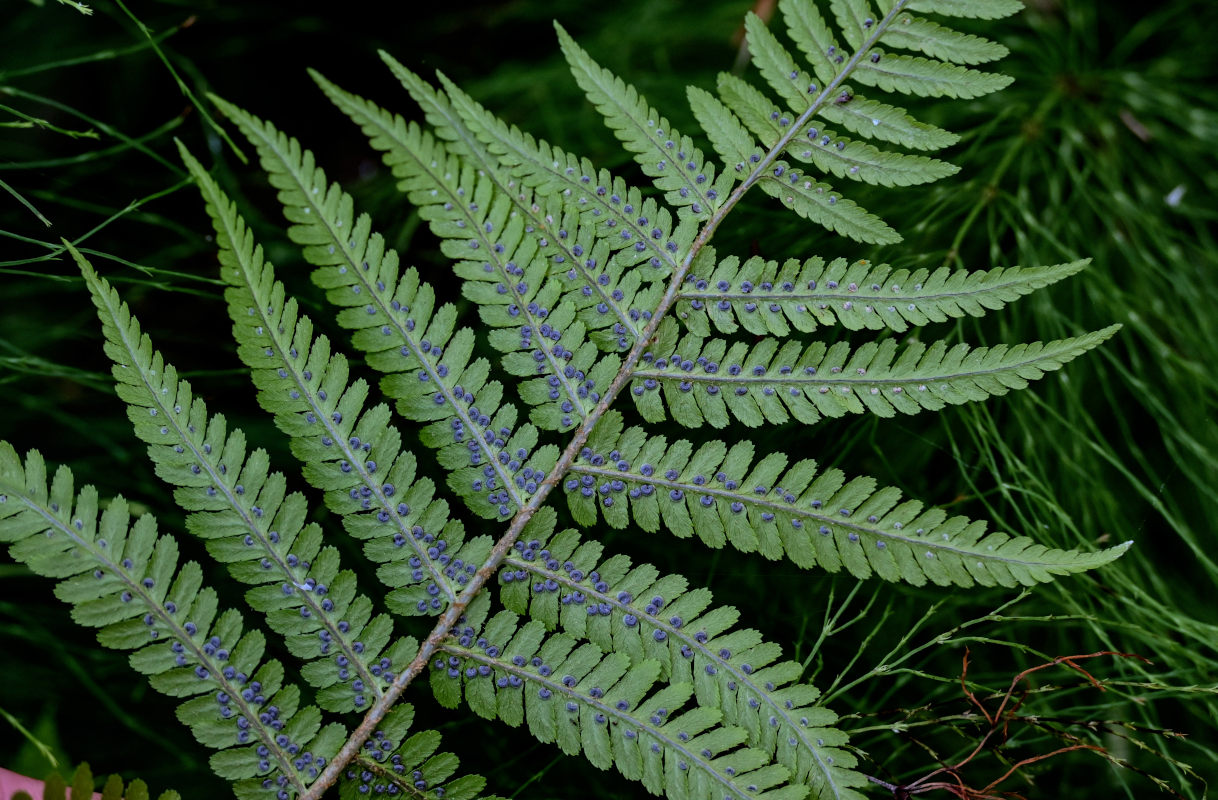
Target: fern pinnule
x=774 y=297
x=672 y=161
x=938 y=41
x=969 y=9
x=723 y=496
x=715 y=381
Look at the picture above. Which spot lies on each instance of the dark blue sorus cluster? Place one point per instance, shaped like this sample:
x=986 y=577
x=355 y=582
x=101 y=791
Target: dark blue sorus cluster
x=465 y=638
x=454 y=568
x=608 y=486
x=525 y=478
x=311 y=586
x=628 y=208
x=602 y=606
x=305 y=762
x=585 y=390
x=612 y=484
x=678 y=364
x=617 y=295
x=379 y=748
x=546 y=331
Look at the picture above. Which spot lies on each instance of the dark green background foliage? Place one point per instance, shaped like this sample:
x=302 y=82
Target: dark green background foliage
x=1103 y=147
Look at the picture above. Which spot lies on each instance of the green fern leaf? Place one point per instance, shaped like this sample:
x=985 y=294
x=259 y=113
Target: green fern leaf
x=811 y=34
x=540 y=332
x=937 y=41
x=779 y=68
x=348 y=450
x=977 y=9
x=123 y=578
x=766 y=297
x=927 y=78
x=604 y=707
x=566 y=583
x=872 y=119
x=506 y=274
x=559 y=231
x=606 y=203
x=240 y=509
x=671 y=160
x=426 y=358
x=819 y=203
x=813 y=520
x=727 y=134
x=394 y=765
x=766 y=381
x=827 y=150
x=855 y=18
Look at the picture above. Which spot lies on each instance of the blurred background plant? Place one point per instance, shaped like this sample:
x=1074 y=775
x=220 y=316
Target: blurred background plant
x=1102 y=148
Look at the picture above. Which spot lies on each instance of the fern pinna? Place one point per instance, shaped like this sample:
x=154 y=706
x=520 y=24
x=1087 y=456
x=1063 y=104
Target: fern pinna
x=588 y=289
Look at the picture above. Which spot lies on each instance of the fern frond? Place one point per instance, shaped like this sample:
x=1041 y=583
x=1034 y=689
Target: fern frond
x=605 y=203
x=827 y=150
x=123 y=578
x=926 y=77
x=779 y=68
x=561 y=234
x=976 y=9
x=824 y=520
x=768 y=297
x=394 y=765
x=709 y=381
x=603 y=706
x=508 y=274
x=348 y=450
x=566 y=583
x=239 y=507
x=818 y=202
x=872 y=119
x=427 y=360
x=811 y=34
x=672 y=161
x=937 y=41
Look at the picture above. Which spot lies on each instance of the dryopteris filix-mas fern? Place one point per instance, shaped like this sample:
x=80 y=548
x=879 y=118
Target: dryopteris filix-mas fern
x=589 y=290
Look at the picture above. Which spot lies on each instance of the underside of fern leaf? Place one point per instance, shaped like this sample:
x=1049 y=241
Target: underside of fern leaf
x=586 y=287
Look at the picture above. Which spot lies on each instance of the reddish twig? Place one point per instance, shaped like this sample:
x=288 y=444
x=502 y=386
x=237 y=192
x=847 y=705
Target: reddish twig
x=999 y=723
